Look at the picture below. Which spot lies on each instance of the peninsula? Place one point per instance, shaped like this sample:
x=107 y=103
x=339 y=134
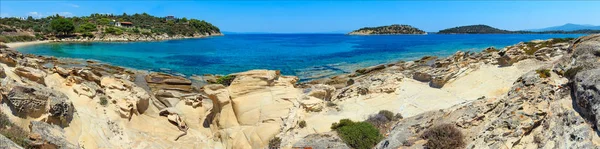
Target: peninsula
x=388 y=30
x=104 y=27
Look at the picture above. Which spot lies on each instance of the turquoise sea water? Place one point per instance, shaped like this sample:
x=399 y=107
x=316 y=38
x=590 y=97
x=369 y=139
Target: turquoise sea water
x=308 y=56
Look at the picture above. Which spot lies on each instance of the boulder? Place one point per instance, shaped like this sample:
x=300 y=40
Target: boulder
x=129 y=98
x=89 y=75
x=252 y=81
x=6 y=143
x=49 y=136
x=32 y=74
x=440 y=81
x=370 y=69
x=35 y=101
x=322 y=140
x=421 y=76
x=2 y=73
x=158 y=81
x=62 y=71
x=8 y=60
x=586 y=88
x=88 y=89
x=320 y=91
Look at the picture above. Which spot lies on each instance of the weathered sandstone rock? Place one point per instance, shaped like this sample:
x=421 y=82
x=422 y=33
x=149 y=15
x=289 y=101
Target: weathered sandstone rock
x=35 y=101
x=50 y=136
x=6 y=143
x=32 y=74
x=128 y=97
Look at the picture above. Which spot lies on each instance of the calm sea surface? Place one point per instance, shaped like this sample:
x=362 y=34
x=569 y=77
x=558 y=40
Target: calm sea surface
x=307 y=56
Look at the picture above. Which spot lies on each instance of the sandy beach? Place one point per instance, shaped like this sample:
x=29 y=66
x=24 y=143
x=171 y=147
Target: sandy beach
x=27 y=43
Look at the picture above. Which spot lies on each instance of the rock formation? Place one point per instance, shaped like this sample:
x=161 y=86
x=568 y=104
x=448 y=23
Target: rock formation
x=538 y=94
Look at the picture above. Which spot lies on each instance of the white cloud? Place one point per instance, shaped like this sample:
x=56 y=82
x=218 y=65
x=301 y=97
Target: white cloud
x=35 y=14
x=66 y=14
x=73 y=5
x=4 y=15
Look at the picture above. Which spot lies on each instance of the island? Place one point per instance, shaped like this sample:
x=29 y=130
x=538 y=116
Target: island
x=394 y=29
x=485 y=29
x=104 y=27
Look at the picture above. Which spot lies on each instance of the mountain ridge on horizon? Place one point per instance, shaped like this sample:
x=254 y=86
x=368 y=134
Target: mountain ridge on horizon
x=567 y=27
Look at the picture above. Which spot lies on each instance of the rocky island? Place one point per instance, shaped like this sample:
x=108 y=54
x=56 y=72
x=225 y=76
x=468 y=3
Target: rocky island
x=537 y=94
x=388 y=30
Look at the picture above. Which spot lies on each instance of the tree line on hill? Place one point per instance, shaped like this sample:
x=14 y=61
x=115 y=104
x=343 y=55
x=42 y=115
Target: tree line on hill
x=104 y=23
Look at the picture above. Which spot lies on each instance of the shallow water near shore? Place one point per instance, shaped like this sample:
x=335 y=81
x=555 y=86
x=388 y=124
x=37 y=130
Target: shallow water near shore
x=308 y=56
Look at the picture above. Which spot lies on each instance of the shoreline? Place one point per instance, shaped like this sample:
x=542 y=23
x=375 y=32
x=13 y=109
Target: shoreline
x=26 y=43
x=15 y=45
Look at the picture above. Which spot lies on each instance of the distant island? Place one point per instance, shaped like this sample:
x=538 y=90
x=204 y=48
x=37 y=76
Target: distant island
x=485 y=29
x=567 y=27
x=103 y=27
x=388 y=30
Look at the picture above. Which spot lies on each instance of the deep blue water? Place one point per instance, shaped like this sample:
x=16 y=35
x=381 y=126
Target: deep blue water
x=308 y=56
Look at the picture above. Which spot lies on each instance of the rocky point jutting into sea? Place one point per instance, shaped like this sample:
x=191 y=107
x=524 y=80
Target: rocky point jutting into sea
x=537 y=94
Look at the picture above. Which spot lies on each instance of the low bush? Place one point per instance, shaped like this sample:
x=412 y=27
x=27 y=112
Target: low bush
x=226 y=80
x=275 y=143
x=360 y=135
x=12 y=132
x=445 y=136
x=103 y=101
x=572 y=72
x=113 y=30
x=388 y=114
x=379 y=121
x=302 y=124
x=544 y=73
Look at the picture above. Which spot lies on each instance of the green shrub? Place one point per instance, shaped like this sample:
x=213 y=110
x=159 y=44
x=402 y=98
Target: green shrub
x=398 y=116
x=226 y=80
x=572 y=72
x=302 y=124
x=342 y=123
x=13 y=132
x=388 y=114
x=86 y=27
x=544 y=73
x=88 y=34
x=103 y=101
x=360 y=135
x=445 y=136
x=113 y=30
x=275 y=143
x=331 y=104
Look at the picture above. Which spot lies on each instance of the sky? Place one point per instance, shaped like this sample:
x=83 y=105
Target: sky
x=312 y=16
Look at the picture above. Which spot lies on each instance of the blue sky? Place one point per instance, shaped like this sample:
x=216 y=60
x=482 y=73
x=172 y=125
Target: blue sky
x=331 y=16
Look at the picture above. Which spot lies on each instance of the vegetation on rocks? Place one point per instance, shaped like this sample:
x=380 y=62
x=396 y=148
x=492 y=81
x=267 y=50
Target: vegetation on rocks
x=391 y=29
x=275 y=143
x=444 y=136
x=302 y=124
x=544 y=73
x=226 y=80
x=360 y=135
x=532 y=47
x=13 y=132
x=103 y=101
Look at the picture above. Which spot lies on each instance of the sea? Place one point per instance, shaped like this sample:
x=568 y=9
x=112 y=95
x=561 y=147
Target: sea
x=308 y=56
